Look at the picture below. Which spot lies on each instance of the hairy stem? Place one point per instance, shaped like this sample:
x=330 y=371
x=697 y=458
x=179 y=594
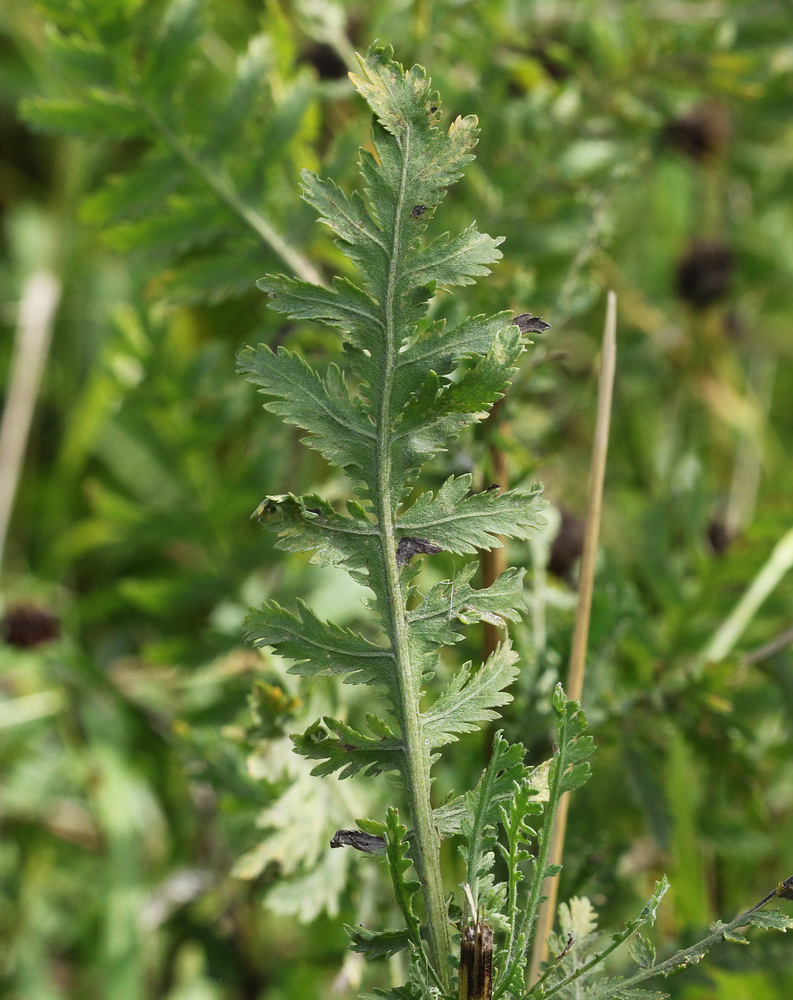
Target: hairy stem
x=416 y=769
x=494 y=561
x=538 y=874
x=681 y=959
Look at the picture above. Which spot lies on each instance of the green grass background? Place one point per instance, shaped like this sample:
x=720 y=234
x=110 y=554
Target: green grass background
x=157 y=838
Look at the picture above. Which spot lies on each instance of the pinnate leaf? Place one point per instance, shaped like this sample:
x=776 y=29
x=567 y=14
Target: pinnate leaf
x=450 y=604
x=463 y=523
x=341 y=748
x=339 y=427
x=318 y=647
x=471 y=698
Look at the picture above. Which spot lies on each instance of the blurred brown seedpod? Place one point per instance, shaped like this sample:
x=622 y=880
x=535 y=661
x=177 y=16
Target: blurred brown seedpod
x=704 y=273
x=719 y=537
x=325 y=60
x=567 y=546
x=700 y=134
x=27 y=626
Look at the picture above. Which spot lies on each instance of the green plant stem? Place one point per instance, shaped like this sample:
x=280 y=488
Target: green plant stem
x=538 y=874
x=680 y=960
x=617 y=940
x=224 y=191
x=729 y=632
x=416 y=770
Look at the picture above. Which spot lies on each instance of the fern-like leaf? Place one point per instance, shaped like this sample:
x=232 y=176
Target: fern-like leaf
x=479 y=808
x=461 y=523
x=319 y=647
x=449 y=605
x=204 y=197
x=410 y=387
x=341 y=748
x=311 y=524
x=471 y=698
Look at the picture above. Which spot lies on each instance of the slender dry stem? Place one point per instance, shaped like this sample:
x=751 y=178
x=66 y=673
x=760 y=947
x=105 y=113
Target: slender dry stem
x=38 y=304
x=575 y=677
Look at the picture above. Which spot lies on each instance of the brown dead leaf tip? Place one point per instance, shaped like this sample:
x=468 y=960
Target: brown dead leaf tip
x=409 y=547
x=527 y=323
x=361 y=841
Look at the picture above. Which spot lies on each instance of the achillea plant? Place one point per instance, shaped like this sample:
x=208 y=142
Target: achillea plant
x=410 y=387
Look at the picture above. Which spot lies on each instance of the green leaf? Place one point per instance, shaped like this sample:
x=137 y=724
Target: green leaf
x=346 y=307
x=166 y=61
x=482 y=810
x=406 y=107
x=339 y=426
x=132 y=194
x=455 y=260
x=341 y=748
x=574 y=748
x=438 y=350
x=310 y=524
x=642 y=952
x=770 y=920
x=399 y=862
x=402 y=412
x=363 y=241
x=99 y=113
x=377 y=944
x=454 y=603
x=471 y=698
x=480 y=807
x=465 y=399
x=319 y=647
x=463 y=524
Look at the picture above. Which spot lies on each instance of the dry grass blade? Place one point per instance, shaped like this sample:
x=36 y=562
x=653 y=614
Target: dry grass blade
x=575 y=677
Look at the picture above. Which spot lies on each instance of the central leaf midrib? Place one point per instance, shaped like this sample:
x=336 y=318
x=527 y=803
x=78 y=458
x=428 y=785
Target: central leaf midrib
x=416 y=769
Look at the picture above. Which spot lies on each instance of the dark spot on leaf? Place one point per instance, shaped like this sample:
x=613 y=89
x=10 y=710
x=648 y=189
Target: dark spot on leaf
x=433 y=108
x=409 y=547
x=27 y=626
x=313 y=510
x=527 y=323
x=704 y=273
x=365 y=842
x=492 y=488
x=417 y=211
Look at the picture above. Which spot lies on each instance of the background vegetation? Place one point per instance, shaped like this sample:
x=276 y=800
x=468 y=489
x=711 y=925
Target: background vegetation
x=158 y=837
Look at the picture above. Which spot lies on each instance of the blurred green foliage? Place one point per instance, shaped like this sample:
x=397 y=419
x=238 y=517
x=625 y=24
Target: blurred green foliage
x=158 y=837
